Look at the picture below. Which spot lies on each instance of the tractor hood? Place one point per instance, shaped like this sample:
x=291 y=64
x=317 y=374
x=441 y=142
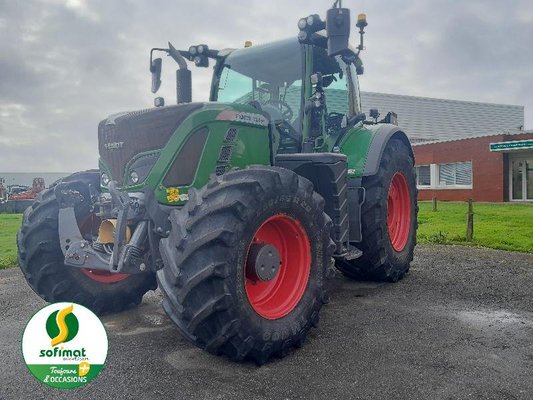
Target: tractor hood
x=125 y=135
x=162 y=147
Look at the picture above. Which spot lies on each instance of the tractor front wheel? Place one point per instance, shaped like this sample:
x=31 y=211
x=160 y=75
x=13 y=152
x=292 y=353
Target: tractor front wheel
x=246 y=263
x=42 y=261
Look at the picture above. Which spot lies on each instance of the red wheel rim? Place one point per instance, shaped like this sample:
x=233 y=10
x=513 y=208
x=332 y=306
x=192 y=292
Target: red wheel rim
x=103 y=276
x=399 y=211
x=278 y=297
x=87 y=228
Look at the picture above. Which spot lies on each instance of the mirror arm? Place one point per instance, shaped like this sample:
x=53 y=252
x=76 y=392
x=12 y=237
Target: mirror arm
x=361 y=45
x=152 y=54
x=319 y=40
x=177 y=56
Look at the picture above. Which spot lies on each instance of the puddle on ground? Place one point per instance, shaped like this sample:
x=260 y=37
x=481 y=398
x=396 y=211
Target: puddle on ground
x=495 y=318
x=146 y=318
x=368 y=286
x=195 y=358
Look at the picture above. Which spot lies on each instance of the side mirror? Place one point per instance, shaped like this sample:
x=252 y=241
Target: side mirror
x=338 y=30
x=183 y=86
x=155 y=69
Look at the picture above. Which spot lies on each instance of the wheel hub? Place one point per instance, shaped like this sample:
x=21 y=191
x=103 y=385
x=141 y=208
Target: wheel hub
x=263 y=262
x=282 y=246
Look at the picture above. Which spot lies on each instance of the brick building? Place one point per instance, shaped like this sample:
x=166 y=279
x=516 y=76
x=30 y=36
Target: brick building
x=493 y=168
x=464 y=149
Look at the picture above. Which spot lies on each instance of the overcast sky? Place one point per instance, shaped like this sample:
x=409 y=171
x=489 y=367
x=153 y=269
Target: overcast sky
x=67 y=64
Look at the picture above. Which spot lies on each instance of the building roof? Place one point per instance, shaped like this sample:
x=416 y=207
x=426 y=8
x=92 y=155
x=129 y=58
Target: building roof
x=514 y=134
x=431 y=119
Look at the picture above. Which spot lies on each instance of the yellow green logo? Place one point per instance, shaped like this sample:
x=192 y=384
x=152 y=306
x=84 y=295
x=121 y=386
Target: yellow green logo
x=64 y=345
x=62 y=325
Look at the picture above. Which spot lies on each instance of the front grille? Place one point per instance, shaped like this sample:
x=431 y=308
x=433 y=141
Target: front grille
x=225 y=154
x=122 y=136
x=230 y=135
x=221 y=169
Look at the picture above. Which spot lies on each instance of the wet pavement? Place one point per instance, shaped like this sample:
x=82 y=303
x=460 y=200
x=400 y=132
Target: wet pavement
x=460 y=325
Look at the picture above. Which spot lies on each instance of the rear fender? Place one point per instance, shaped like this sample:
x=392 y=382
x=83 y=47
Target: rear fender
x=364 y=146
x=381 y=137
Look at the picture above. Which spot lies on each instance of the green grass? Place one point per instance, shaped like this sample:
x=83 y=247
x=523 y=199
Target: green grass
x=498 y=226
x=503 y=226
x=9 y=224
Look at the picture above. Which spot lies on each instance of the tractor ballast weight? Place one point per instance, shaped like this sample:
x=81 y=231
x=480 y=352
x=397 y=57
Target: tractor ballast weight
x=236 y=208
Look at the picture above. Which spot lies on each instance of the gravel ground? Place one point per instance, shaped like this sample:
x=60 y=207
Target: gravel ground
x=460 y=325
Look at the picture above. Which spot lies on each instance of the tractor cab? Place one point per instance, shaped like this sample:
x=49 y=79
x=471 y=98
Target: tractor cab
x=306 y=87
x=268 y=78
x=276 y=79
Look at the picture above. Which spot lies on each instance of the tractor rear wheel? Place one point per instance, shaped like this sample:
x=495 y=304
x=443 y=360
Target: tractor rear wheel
x=246 y=263
x=389 y=219
x=42 y=261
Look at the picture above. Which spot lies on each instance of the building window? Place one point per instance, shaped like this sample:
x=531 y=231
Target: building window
x=455 y=174
x=423 y=175
x=444 y=176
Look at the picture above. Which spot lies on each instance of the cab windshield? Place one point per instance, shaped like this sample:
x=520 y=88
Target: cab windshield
x=267 y=76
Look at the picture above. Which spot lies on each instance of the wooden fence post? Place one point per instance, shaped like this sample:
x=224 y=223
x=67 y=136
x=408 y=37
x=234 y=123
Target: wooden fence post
x=470 y=222
x=434 y=204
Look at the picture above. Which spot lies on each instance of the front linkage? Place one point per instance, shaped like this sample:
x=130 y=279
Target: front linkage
x=115 y=250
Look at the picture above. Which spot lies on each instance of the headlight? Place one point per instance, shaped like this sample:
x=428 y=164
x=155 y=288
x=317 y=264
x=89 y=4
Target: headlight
x=310 y=20
x=134 y=176
x=192 y=50
x=140 y=167
x=302 y=23
x=302 y=35
x=200 y=49
x=104 y=179
x=159 y=102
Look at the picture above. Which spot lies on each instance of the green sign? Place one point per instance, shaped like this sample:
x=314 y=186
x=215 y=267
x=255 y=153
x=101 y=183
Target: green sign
x=515 y=145
x=64 y=345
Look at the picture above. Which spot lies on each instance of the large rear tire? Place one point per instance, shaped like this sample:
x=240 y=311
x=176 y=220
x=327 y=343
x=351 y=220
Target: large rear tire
x=42 y=261
x=211 y=290
x=389 y=219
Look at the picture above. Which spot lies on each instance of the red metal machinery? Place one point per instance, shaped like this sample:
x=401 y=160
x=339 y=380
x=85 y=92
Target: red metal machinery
x=37 y=187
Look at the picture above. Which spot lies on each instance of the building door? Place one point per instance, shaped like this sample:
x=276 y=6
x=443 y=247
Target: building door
x=529 y=179
x=522 y=179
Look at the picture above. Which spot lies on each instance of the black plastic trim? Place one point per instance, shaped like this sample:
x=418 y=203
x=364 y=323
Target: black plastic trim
x=185 y=164
x=382 y=136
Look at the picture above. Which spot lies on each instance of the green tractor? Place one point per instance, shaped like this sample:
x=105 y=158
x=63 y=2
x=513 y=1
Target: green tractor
x=236 y=208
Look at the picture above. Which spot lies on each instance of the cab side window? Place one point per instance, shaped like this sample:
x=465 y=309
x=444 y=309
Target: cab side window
x=335 y=81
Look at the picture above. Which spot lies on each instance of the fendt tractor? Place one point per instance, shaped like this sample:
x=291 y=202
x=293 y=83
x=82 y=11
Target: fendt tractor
x=237 y=209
